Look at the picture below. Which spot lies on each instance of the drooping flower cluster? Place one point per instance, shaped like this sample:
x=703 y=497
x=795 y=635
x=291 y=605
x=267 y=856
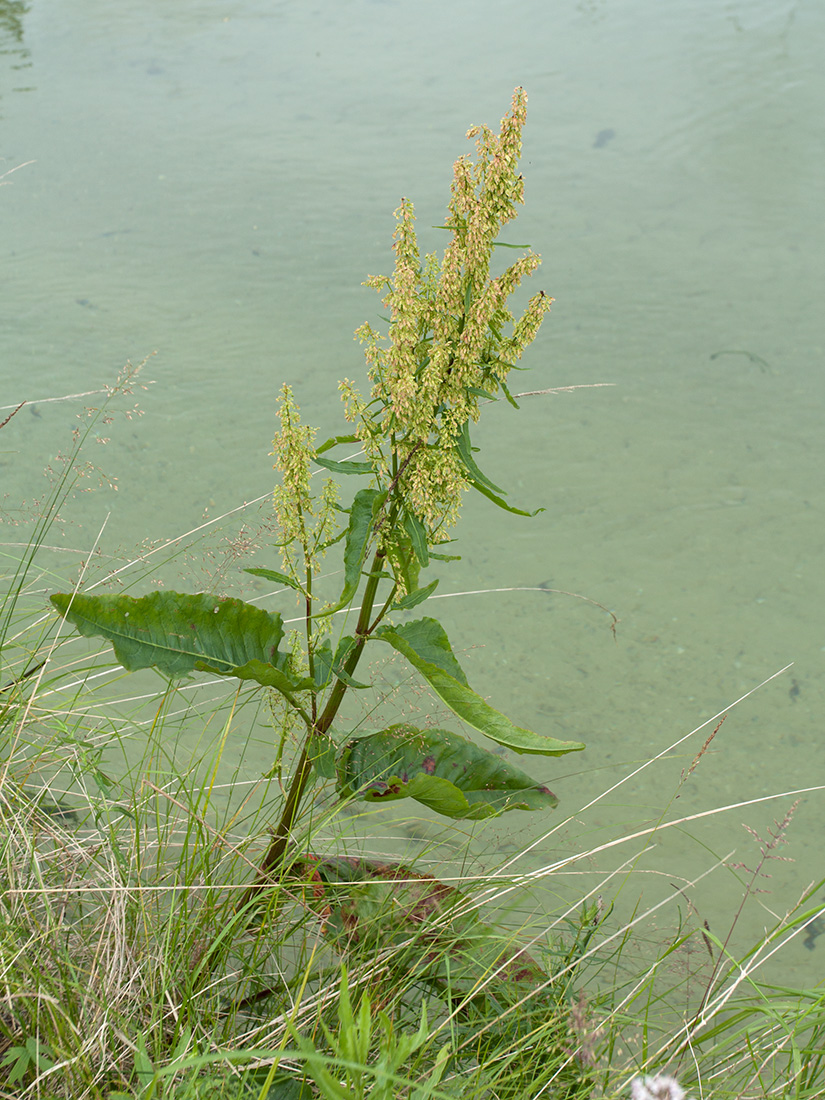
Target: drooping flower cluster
x=447 y=349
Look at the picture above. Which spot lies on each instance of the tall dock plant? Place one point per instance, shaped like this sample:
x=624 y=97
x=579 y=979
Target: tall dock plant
x=451 y=344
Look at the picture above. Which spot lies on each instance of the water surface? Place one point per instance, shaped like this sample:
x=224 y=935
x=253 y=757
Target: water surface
x=215 y=181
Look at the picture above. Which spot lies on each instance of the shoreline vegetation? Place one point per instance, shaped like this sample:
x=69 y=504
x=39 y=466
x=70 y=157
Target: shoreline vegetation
x=173 y=924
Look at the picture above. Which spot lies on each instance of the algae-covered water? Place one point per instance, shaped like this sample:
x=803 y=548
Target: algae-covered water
x=214 y=181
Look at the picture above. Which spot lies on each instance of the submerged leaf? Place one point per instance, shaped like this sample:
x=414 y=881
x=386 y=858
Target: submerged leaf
x=369 y=905
x=439 y=769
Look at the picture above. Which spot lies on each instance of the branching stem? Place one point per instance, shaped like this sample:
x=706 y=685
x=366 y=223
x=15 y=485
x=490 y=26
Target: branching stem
x=280 y=837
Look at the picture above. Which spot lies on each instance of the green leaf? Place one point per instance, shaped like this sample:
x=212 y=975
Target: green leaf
x=465 y=452
x=322 y=751
x=261 y=1083
x=362 y=515
x=316 y=1063
x=412 y=599
x=509 y=396
x=439 y=769
x=342 y=651
x=322 y=661
x=468 y=301
x=497 y=500
x=403 y=561
x=426 y=646
x=177 y=633
x=327 y=665
x=278 y=578
x=266 y=675
x=328 y=444
x=343 y=467
x=418 y=537
x=425 y=641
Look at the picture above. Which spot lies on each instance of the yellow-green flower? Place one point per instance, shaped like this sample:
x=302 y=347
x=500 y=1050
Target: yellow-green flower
x=447 y=350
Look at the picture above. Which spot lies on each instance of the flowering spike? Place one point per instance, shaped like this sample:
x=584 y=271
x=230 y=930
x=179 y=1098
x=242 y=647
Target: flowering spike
x=447 y=347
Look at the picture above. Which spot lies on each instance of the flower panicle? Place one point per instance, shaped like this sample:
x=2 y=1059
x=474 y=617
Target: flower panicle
x=447 y=348
x=307 y=523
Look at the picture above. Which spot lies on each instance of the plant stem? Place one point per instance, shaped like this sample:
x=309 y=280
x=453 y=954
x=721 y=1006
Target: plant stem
x=280 y=837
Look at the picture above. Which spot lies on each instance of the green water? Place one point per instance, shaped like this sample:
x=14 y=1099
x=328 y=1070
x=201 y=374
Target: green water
x=214 y=181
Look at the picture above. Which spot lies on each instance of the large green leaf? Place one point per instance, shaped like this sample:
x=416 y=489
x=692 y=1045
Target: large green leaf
x=425 y=640
x=426 y=646
x=438 y=768
x=177 y=633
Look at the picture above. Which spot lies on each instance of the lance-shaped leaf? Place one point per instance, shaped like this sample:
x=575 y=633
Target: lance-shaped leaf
x=485 y=492
x=177 y=633
x=425 y=645
x=328 y=665
x=403 y=562
x=439 y=769
x=425 y=639
x=278 y=578
x=465 y=452
x=266 y=675
x=412 y=599
x=344 y=467
x=334 y=441
x=362 y=515
x=418 y=537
